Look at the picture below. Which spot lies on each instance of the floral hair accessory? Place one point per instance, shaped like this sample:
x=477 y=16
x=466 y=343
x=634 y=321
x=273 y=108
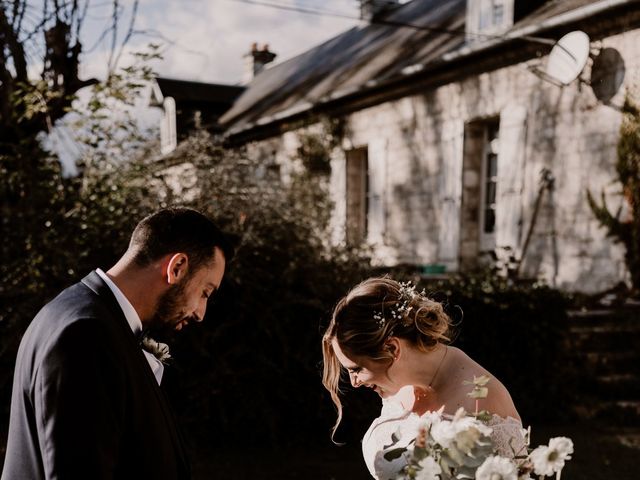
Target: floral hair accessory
x=401 y=308
x=379 y=318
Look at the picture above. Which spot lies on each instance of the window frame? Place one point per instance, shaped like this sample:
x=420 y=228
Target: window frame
x=487 y=240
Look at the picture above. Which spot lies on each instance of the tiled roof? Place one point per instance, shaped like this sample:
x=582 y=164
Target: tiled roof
x=182 y=90
x=351 y=59
x=369 y=55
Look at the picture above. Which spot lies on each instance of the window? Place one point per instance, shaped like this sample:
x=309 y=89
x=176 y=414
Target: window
x=357 y=194
x=490 y=17
x=497 y=11
x=491 y=14
x=489 y=185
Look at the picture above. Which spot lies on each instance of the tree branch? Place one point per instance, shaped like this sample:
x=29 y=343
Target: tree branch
x=15 y=47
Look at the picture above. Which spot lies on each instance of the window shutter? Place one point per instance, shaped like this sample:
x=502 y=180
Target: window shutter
x=450 y=193
x=338 y=192
x=168 y=134
x=357 y=185
x=377 y=191
x=511 y=157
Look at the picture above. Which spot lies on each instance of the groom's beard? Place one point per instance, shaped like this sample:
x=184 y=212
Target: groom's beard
x=170 y=309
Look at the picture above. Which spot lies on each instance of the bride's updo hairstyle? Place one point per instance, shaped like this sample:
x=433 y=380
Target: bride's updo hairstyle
x=368 y=315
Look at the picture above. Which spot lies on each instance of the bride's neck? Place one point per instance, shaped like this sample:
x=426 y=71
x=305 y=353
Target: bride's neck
x=425 y=369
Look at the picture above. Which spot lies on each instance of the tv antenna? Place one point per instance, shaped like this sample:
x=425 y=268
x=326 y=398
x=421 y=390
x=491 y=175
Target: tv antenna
x=567 y=59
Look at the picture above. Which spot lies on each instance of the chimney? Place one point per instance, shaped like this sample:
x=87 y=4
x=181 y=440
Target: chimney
x=255 y=61
x=372 y=9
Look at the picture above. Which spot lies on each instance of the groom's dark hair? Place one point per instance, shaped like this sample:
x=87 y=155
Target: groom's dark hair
x=174 y=230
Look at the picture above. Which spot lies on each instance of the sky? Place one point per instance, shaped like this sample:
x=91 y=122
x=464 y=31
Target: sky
x=205 y=40
x=202 y=40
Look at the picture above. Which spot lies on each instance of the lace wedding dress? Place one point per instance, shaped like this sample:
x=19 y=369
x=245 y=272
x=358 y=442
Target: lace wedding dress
x=507 y=436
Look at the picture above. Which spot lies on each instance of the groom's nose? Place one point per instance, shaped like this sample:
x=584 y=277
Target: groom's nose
x=200 y=311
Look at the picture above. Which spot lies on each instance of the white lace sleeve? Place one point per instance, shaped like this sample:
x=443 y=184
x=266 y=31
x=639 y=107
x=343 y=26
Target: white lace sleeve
x=508 y=436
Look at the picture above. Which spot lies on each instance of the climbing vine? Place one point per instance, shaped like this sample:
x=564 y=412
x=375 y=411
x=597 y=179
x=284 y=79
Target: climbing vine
x=625 y=228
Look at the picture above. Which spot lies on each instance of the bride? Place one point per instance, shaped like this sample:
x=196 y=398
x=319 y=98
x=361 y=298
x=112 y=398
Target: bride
x=394 y=340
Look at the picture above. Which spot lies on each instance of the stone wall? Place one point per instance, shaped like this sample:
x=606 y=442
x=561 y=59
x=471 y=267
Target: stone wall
x=424 y=173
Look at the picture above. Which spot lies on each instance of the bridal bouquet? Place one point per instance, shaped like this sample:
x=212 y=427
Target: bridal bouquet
x=461 y=448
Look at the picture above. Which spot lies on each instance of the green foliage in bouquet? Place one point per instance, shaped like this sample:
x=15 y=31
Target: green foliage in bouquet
x=625 y=230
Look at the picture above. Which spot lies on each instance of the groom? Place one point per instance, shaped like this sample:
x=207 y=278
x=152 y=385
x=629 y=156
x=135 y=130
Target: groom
x=86 y=401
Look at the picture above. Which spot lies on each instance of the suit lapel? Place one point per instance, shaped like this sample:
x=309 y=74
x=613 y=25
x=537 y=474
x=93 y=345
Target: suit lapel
x=100 y=288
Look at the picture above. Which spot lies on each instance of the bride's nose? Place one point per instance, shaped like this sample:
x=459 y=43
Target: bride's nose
x=354 y=380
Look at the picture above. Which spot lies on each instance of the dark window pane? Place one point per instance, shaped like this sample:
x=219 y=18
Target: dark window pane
x=498 y=13
x=489 y=220
x=490 y=197
x=492 y=131
x=492 y=165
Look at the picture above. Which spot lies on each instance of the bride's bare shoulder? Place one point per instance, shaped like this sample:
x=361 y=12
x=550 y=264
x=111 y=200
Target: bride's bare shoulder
x=498 y=400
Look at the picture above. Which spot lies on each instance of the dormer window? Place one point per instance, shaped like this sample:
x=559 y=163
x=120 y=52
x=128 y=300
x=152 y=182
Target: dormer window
x=491 y=14
x=486 y=18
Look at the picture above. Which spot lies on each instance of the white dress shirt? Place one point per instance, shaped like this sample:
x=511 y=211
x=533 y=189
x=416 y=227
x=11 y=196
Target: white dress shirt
x=134 y=322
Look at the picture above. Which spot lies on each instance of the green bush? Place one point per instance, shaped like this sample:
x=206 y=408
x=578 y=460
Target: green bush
x=251 y=371
x=625 y=229
x=54 y=231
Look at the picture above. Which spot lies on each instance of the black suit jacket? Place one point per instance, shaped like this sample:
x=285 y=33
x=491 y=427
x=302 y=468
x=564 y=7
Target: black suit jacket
x=85 y=403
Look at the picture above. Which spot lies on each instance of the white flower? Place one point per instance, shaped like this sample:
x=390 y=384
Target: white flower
x=157 y=349
x=497 y=468
x=548 y=460
x=430 y=418
x=563 y=446
x=429 y=469
x=445 y=432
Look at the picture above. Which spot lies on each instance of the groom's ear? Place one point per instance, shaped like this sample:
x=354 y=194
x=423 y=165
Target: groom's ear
x=177 y=268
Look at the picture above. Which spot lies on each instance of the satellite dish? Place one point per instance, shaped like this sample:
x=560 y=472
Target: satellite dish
x=568 y=58
x=607 y=74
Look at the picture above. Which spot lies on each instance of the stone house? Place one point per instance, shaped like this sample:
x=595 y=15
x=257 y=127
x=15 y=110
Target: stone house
x=463 y=142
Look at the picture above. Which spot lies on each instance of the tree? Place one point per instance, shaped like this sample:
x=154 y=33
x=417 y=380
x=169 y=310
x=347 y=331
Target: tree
x=44 y=36
x=49 y=223
x=625 y=229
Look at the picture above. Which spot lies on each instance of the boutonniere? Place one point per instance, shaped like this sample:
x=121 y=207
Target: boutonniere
x=157 y=349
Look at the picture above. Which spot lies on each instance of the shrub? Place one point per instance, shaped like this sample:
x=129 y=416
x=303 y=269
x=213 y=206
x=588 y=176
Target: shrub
x=625 y=230
x=251 y=372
